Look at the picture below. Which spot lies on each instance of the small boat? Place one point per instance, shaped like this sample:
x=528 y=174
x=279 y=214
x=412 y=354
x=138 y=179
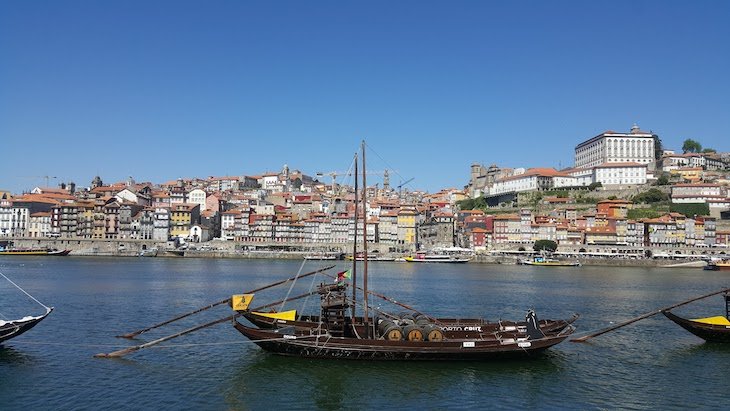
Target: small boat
x=710 y=329
x=150 y=252
x=436 y=258
x=720 y=265
x=13 y=328
x=549 y=262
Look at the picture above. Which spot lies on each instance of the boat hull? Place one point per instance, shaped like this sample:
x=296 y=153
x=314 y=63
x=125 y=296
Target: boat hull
x=32 y=252
x=451 y=327
x=12 y=329
x=326 y=346
x=708 y=332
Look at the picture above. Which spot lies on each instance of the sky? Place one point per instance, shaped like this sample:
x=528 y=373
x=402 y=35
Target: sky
x=160 y=90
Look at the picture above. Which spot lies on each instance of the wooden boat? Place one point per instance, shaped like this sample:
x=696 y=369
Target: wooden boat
x=14 y=328
x=549 y=262
x=340 y=334
x=34 y=251
x=384 y=340
x=711 y=329
x=290 y=319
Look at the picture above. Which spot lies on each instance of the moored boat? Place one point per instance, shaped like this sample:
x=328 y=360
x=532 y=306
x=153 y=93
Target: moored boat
x=711 y=329
x=150 y=252
x=340 y=334
x=719 y=265
x=34 y=251
x=549 y=262
x=13 y=328
x=436 y=258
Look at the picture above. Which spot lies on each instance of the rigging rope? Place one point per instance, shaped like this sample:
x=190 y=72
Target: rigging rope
x=25 y=292
x=292 y=286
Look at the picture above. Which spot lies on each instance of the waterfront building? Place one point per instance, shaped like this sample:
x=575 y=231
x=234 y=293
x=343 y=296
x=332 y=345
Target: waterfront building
x=182 y=218
x=388 y=227
x=40 y=224
x=407 y=235
x=507 y=229
x=437 y=231
x=161 y=224
x=636 y=146
x=261 y=227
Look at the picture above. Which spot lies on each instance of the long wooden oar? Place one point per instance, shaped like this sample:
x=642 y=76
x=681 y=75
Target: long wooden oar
x=136 y=333
x=641 y=317
x=121 y=353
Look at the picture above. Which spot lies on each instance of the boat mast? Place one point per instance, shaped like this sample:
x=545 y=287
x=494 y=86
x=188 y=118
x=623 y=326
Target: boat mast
x=354 y=249
x=364 y=240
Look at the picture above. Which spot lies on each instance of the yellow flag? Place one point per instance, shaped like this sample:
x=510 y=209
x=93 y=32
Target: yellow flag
x=240 y=302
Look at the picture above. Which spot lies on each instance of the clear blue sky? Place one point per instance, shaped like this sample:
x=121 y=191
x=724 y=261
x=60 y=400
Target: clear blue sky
x=164 y=89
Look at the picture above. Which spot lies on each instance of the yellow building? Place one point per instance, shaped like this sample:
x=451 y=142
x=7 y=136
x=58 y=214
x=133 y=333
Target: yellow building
x=182 y=218
x=407 y=226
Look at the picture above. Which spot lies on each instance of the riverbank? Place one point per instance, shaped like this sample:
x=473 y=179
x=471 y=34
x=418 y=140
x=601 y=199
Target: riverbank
x=230 y=249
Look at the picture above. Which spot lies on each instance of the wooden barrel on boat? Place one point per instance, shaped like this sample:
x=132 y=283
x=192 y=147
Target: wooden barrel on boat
x=433 y=333
x=389 y=330
x=413 y=332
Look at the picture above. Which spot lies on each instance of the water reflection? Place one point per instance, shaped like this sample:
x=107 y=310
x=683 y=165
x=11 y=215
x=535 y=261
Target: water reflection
x=332 y=384
x=11 y=356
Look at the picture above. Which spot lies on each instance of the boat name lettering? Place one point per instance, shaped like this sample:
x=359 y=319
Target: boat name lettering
x=465 y=328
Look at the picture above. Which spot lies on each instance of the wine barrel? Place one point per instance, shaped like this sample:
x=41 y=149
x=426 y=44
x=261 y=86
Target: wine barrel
x=393 y=333
x=413 y=332
x=433 y=333
x=384 y=324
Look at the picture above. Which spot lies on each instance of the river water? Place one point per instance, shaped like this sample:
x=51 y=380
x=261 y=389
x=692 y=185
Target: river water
x=652 y=364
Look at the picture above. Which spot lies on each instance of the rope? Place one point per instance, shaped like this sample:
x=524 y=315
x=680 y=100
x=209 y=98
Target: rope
x=25 y=292
x=292 y=286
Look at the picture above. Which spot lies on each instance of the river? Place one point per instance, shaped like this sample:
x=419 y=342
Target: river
x=652 y=364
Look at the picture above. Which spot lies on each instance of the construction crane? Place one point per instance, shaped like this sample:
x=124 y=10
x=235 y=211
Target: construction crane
x=47 y=178
x=400 y=186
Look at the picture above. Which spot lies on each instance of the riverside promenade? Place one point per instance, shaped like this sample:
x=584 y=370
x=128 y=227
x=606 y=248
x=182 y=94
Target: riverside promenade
x=687 y=257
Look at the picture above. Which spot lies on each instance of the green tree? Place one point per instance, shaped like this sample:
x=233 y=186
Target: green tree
x=653 y=195
x=709 y=150
x=691 y=146
x=690 y=209
x=547 y=245
x=658 y=147
x=639 y=213
x=662 y=180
